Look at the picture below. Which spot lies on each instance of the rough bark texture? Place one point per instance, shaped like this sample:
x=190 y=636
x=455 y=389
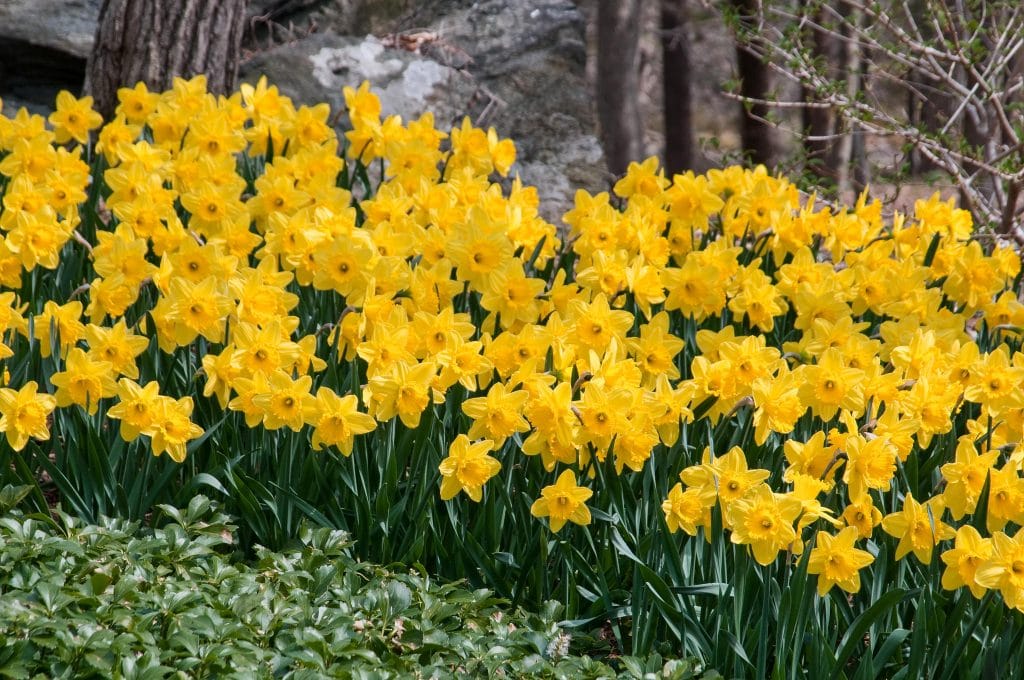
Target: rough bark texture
x=156 y=40
x=618 y=81
x=755 y=81
x=675 y=52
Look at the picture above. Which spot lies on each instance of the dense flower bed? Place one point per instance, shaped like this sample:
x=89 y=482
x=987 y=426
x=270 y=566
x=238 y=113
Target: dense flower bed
x=831 y=392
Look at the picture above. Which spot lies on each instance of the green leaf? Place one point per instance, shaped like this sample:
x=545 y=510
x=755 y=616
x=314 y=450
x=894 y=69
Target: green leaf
x=399 y=597
x=99 y=582
x=855 y=633
x=893 y=642
x=11 y=496
x=933 y=248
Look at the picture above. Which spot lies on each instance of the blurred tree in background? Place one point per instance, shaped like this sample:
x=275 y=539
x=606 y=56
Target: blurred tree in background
x=618 y=81
x=945 y=77
x=940 y=80
x=754 y=84
x=676 y=90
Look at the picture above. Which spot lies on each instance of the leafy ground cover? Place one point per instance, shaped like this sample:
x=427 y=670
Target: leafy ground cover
x=118 y=601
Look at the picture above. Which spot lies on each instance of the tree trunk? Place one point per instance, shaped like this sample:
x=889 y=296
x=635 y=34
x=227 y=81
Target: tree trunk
x=675 y=51
x=755 y=81
x=618 y=81
x=818 y=122
x=156 y=40
x=853 y=66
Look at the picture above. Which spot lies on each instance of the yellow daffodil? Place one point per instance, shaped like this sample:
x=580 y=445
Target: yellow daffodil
x=337 y=420
x=1003 y=570
x=969 y=552
x=287 y=402
x=24 y=414
x=136 y=408
x=837 y=562
x=467 y=468
x=687 y=509
x=498 y=415
x=405 y=391
x=84 y=381
x=966 y=476
x=764 y=521
x=563 y=502
x=74 y=118
x=863 y=516
x=172 y=427
x=919 y=528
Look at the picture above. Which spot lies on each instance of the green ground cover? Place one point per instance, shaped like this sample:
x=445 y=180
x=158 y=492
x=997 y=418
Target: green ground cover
x=116 y=600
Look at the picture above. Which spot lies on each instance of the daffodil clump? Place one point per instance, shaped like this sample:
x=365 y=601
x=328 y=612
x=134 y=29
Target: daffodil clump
x=820 y=381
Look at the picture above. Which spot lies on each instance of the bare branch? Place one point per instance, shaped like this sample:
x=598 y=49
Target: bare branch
x=961 y=60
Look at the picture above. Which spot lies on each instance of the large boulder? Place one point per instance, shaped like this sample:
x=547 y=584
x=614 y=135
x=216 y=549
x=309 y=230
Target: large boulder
x=517 y=65
x=317 y=68
x=531 y=57
x=66 y=26
x=43 y=48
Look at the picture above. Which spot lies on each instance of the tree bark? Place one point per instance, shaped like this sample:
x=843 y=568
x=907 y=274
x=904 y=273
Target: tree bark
x=755 y=83
x=819 y=124
x=618 y=81
x=678 y=109
x=155 y=40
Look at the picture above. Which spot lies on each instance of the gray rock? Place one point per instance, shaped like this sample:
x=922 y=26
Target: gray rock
x=531 y=56
x=347 y=17
x=43 y=48
x=517 y=65
x=65 y=25
x=317 y=68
